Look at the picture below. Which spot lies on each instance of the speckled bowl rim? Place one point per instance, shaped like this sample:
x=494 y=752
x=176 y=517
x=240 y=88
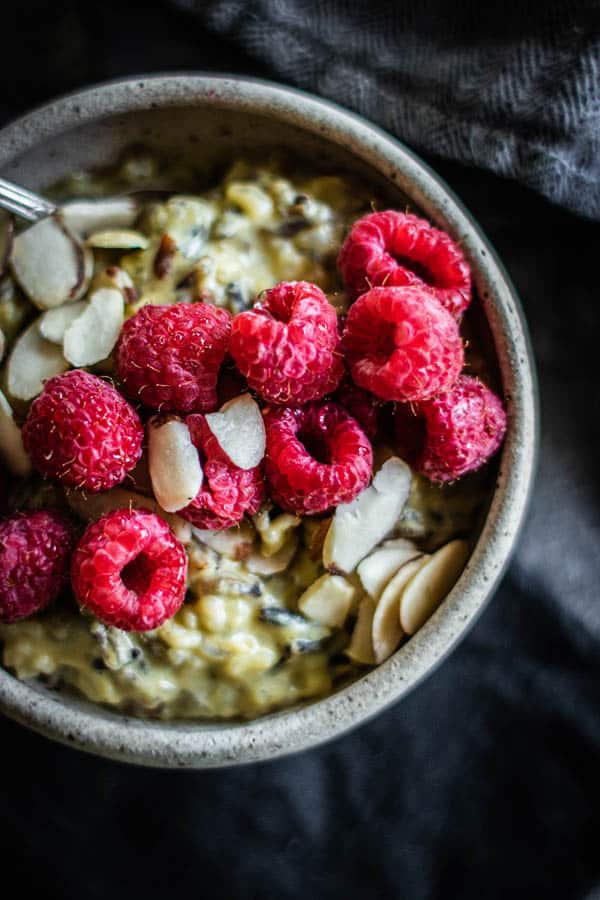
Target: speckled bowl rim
x=189 y=745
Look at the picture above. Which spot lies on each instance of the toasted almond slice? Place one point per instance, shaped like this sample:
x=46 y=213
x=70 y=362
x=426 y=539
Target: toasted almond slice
x=240 y=430
x=328 y=600
x=11 y=442
x=378 y=568
x=359 y=526
x=85 y=216
x=234 y=543
x=54 y=322
x=174 y=463
x=90 y=507
x=360 y=649
x=387 y=631
x=32 y=361
x=424 y=593
x=271 y=565
x=7 y=230
x=115 y=277
x=2 y=344
x=93 y=334
x=118 y=239
x=51 y=264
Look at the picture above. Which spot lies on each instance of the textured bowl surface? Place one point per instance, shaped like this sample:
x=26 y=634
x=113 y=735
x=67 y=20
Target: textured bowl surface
x=214 y=118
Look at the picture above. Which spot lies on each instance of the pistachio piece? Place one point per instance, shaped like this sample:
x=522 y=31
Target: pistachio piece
x=328 y=600
x=386 y=629
x=32 y=361
x=174 y=463
x=358 y=527
x=11 y=442
x=92 y=335
x=434 y=580
x=51 y=264
x=118 y=239
x=240 y=430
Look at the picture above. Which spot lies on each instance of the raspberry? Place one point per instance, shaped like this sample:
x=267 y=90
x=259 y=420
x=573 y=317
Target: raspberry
x=362 y=406
x=400 y=344
x=129 y=570
x=34 y=561
x=227 y=492
x=317 y=457
x=288 y=345
x=397 y=249
x=454 y=433
x=168 y=357
x=82 y=432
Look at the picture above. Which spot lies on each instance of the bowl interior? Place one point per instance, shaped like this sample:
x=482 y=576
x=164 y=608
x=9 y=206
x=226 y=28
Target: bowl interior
x=204 y=122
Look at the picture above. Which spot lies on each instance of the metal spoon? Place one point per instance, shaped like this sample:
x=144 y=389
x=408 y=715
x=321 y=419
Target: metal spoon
x=24 y=203
x=33 y=207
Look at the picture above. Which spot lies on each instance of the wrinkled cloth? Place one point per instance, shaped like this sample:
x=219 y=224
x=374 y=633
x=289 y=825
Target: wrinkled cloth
x=513 y=88
x=483 y=783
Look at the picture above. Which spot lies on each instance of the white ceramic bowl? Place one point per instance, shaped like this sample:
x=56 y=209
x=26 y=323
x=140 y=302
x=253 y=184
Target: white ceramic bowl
x=211 y=119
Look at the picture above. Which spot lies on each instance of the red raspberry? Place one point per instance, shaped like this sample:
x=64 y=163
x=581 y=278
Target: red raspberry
x=82 y=432
x=288 y=345
x=317 y=457
x=362 y=406
x=129 y=570
x=400 y=344
x=34 y=561
x=168 y=357
x=454 y=433
x=396 y=249
x=227 y=492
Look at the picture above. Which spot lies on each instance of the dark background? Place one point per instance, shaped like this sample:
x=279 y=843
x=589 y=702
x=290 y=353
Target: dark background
x=485 y=782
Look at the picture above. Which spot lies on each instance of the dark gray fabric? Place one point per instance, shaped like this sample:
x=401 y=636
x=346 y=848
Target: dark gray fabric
x=511 y=87
x=484 y=783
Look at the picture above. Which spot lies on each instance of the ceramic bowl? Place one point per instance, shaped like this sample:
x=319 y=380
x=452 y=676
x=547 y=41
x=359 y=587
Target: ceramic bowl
x=210 y=119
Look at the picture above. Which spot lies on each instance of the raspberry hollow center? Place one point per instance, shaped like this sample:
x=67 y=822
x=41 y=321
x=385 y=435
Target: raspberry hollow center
x=137 y=575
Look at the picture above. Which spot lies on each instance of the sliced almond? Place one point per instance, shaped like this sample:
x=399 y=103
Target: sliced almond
x=234 y=543
x=90 y=507
x=85 y=216
x=54 y=322
x=387 y=631
x=11 y=442
x=51 y=264
x=2 y=344
x=7 y=229
x=32 y=361
x=360 y=648
x=93 y=335
x=115 y=277
x=358 y=527
x=424 y=593
x=378 y=568
x=174 y=463
x=240 y=430
x=271 y=565
x=118 y=239
x=328 y=600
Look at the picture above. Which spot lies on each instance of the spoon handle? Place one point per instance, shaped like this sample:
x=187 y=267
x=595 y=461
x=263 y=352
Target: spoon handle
x=24 y=203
